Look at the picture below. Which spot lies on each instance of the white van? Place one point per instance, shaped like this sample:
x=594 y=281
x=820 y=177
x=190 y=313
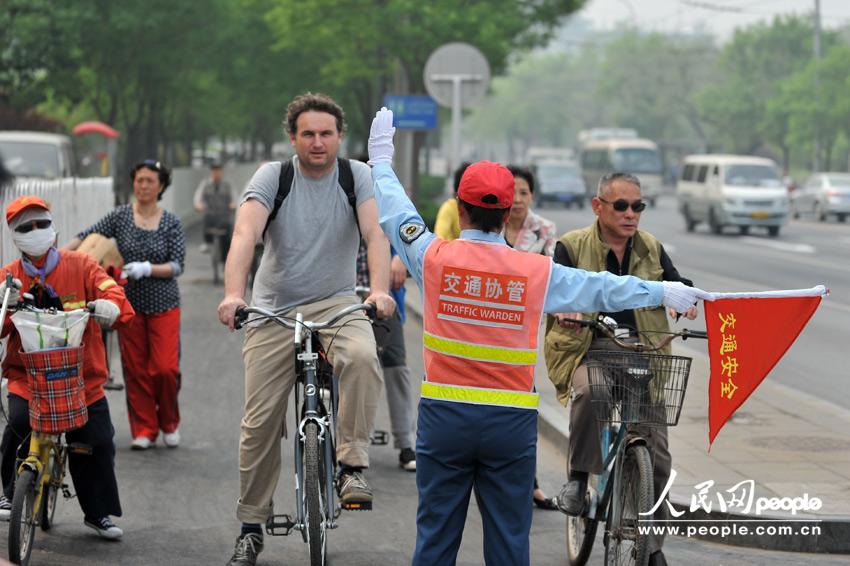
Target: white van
x=637 y=156
x=38 y=154
x=732 y=190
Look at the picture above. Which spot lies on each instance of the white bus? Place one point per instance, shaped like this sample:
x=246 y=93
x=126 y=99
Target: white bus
x=637 y=156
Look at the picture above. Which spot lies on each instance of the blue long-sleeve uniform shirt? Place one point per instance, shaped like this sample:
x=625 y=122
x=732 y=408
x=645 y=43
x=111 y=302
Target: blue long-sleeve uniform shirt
x=570 y=290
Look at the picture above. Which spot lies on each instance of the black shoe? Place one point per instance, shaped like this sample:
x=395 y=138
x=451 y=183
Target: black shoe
x=571 y=498
x=407 y=459
x=657 y=559
x=547 y=503
x=248 y=546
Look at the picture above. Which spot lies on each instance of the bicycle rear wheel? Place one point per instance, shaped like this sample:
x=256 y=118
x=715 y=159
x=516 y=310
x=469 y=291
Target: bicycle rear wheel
x=314 y=492
x=55 y=471
x=22 y=519
x=624 y=543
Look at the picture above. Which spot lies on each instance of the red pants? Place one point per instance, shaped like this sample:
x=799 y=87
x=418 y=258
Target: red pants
x=150 y=355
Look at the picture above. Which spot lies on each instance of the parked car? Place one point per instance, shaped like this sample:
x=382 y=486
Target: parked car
x=38 y=154
x=823 y=194
x=732 y=190
x=558 y=182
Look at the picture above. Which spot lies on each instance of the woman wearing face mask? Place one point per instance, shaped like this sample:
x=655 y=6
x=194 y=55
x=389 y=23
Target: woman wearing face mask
x=528 y=232
x=152 y=243
x=65 y=280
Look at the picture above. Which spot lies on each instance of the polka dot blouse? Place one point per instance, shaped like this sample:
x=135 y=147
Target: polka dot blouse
x=166 y=244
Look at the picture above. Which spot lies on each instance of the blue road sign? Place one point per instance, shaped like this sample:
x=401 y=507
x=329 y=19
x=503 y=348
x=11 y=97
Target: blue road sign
x=412 y=112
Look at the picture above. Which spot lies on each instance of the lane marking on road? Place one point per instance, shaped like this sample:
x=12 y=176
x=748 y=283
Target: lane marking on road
x=782 y=246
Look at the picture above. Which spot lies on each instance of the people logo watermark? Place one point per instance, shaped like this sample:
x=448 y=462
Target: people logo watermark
x=733 y=509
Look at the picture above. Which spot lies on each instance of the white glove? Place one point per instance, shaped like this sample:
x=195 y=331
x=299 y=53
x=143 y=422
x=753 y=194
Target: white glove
x=14 y=292
x=680 y=297
x=381 y=138
x=136 y=270
x=106 y=312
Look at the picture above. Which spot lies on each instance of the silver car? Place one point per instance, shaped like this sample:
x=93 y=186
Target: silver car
x=823 y=194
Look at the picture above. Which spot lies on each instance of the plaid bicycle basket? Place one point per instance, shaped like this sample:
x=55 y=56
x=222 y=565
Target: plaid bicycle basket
x=637 y=387
x=57 y=389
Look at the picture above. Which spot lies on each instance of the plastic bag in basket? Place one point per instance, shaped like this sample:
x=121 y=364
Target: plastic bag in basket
x=44 y=331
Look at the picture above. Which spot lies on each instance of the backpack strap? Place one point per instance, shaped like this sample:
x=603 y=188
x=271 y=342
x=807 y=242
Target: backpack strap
x=284 y=185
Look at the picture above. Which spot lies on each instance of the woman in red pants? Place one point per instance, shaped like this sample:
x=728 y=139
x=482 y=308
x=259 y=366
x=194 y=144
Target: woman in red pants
x=153 y=245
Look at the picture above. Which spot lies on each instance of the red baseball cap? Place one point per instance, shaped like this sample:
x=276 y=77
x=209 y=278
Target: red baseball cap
x=22 y=203
x=488 y=185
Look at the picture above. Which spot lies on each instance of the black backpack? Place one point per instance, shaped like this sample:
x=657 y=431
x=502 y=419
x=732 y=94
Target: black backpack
x=284 y=185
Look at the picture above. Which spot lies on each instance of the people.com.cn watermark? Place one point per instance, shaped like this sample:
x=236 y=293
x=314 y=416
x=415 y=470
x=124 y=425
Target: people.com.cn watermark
x=743 y=508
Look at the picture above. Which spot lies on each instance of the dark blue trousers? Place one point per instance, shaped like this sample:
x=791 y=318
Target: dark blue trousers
x=459 y=447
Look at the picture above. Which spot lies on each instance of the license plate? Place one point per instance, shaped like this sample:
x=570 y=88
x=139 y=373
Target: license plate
x=760 y=214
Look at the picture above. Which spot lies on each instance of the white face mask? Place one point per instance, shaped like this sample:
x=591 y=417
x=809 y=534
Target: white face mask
x=35 y=243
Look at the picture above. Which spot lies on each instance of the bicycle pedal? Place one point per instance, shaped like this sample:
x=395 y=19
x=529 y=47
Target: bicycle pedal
x=66 y=491
x=380 y=438
x=274 y=525
x=357 y=506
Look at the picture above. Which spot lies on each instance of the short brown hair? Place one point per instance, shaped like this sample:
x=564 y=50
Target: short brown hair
x=316 y=102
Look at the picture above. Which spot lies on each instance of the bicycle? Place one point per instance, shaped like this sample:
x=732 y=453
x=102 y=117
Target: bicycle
x=218 y=253
x=316 y=508
x=40 y=477
x=630 y=386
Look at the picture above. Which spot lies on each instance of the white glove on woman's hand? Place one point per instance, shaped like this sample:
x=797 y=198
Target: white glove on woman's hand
x=136 y=270
x=14 y=291
x=680 y=297
x=105 y=312
x=381 y=138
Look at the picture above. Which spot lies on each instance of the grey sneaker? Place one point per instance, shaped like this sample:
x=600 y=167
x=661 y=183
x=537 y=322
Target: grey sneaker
x=354 y=492
x=571 y=498
x=5 y=508
x=248 y=546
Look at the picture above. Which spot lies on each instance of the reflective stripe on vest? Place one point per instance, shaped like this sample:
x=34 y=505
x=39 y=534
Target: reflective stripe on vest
x=479 y=396
x=479 y=352
x=482 y=307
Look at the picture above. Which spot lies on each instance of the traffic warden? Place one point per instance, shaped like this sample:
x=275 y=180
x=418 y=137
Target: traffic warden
x=482 y=306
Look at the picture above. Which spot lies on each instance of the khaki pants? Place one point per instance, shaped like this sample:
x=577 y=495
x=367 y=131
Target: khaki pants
x=268 y=355
x=585 y=450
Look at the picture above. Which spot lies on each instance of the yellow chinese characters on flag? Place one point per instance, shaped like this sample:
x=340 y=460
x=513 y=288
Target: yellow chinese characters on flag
x=747 y=336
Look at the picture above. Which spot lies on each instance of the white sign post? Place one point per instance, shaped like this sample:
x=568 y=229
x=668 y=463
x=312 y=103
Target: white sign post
x=457 y=76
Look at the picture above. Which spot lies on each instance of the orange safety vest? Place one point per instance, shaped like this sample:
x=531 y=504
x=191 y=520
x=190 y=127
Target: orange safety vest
x=482 y=308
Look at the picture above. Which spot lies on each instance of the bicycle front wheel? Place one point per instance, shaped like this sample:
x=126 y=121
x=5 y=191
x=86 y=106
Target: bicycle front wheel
x=625 y=544
x=22 y=519
x=581 y=533
x=55 y=472
x=314 y=475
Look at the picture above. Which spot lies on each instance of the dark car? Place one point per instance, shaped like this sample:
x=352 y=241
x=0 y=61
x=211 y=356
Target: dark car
x=560 y=183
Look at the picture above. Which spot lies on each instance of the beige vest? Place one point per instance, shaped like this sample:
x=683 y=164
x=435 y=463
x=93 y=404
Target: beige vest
x=565 y=348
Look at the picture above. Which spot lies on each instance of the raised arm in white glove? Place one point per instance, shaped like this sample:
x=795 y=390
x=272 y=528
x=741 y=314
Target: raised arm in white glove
x=381 y=138
x=14 y=292
x=680 y=297
x=136 y=270
x=105 y=312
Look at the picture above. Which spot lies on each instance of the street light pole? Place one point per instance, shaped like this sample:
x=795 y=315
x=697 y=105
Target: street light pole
x=817 y=54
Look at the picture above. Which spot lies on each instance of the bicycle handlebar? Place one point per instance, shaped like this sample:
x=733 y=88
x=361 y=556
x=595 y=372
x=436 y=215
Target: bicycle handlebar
x=242 y=314
x=639 y=346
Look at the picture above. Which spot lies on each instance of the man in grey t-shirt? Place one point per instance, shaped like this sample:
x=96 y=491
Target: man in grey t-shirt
x=308 y=266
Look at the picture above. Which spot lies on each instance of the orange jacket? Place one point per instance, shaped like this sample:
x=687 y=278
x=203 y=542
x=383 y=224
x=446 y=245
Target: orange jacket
x=77 y=280
x=482 y=309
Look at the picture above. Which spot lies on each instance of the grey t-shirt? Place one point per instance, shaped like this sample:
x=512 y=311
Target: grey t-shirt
x=311 y=246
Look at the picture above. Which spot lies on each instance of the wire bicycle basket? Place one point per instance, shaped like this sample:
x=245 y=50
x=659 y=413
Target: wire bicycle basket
x=637 y=387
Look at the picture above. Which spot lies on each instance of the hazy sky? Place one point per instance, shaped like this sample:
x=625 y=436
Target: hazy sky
x=719 y=17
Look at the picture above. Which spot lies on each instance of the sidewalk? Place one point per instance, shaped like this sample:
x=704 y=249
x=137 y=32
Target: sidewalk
x=787 y=442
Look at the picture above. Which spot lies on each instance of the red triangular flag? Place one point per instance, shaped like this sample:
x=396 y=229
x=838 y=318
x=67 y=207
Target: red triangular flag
x=746 y=338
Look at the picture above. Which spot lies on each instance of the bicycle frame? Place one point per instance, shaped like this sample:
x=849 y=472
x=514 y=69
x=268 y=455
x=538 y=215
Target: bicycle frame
x=312 y=410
